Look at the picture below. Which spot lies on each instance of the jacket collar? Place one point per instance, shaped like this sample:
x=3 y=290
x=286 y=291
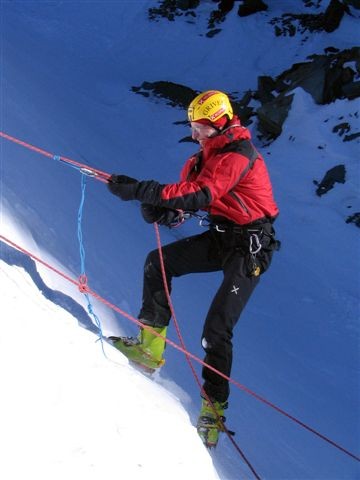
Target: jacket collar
x=234 y=131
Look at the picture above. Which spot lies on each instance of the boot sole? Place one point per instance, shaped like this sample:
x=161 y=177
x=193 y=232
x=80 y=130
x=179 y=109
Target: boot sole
x=136 y=355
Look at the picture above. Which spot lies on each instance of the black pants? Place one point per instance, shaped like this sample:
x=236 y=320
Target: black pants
x=208 y=252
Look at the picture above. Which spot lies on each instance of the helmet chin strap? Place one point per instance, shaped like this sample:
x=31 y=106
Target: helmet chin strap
x=228 y=128
x=220 y=131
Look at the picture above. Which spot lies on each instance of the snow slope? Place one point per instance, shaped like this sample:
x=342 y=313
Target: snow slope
x=67 y=69
x=68 y=411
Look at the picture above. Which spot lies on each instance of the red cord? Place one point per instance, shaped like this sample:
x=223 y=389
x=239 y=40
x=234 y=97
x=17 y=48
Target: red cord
x=201 y=388
x=99 y=175
x=185 y=352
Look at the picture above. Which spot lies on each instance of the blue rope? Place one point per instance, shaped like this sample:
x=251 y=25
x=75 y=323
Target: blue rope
x=79 y=230
x=83 y=170
x=59 y=159
x=82 y=261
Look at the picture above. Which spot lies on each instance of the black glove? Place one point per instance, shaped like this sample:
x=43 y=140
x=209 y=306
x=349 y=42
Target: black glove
x=150 y=213
x=161 y=215
x=170 y=218
x=123 y=186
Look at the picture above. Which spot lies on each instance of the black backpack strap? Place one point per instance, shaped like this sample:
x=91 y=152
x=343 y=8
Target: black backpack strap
x=245 y=148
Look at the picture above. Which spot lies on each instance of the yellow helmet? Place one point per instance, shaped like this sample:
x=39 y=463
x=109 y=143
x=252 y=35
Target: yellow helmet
x=210 y=105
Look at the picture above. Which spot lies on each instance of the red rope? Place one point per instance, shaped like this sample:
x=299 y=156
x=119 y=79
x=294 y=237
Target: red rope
x=179 y=348
x=84 y=288
x=177 y=327
x=98 y=174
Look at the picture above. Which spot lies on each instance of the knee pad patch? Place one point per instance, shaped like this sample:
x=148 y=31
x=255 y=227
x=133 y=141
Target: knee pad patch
x=206 y=345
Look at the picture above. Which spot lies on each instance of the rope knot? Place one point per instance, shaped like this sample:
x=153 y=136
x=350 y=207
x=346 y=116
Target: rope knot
x=83 y=283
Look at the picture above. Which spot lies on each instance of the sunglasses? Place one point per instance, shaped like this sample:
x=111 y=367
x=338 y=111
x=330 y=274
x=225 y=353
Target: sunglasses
x=202 y=130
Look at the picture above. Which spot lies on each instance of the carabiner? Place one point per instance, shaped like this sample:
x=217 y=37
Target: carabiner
x=88 y=172
x=254 y=249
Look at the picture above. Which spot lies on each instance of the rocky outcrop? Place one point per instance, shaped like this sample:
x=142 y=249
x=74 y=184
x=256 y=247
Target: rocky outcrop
x=174 y=94
x=170 y=9
x=328 y=21
x=332 y=176
x=327 y=77
x=271 y=115
x=288 y=24
x=345 y=128
x=251 y=6
x=355 y=218
x=333 y=15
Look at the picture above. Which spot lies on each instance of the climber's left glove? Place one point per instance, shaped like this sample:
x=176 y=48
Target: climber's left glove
x=161 y=215
x=123 y=186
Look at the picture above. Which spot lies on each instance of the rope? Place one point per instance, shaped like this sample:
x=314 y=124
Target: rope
x=83 y=277
x=180 y=349
x=177 y=327
x=85 y=169
x=83 y=281
x=83 y=287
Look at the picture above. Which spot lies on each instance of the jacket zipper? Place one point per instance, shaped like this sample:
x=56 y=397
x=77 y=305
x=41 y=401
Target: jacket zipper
x=238 y=199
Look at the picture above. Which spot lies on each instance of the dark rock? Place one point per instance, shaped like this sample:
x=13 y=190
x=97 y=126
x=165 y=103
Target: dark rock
x=265 y=86
x=337 y=77
x=352 y=3
x=333 y=15
x=219 y=15
x=289 y=24
x=351 y=90
x=324 y=77
x=172 y=8
x=250 y=7
x=225 y=6
x=177 y=95
x=328 y=21
x=311 y=3
x=331 y=50
x=272 y=115
x=310 y=76
x=342 y=128
x=244 y=101
x=353 y=136
x=187 y=4
x=332 y=176
x=244 y=113
x=212 y=33
x=187 y=139
x=355 y=218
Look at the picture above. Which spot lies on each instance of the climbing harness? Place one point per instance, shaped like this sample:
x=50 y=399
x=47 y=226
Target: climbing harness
x=254 y=235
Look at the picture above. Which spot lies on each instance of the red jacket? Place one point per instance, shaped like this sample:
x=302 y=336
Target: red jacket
x=228 y=178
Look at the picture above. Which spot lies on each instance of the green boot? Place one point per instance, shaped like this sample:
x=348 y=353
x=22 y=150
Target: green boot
x=145 y=350
x=211 y=422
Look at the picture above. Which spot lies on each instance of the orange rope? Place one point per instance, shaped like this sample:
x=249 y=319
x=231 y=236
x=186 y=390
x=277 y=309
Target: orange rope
x=97 y=174
x=179 y=348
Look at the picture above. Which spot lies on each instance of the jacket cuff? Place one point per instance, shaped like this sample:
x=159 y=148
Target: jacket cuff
x=149 y=191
